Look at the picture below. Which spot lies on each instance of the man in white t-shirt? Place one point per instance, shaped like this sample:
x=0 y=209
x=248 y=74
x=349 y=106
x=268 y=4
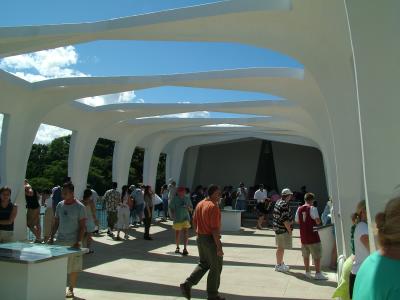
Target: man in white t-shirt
x=261 y=195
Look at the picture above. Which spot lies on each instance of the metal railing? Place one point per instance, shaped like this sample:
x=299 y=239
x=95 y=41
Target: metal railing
x=101 y=215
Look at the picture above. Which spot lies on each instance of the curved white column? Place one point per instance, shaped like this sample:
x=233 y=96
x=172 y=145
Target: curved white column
x=176 y=160
x=375 y=35
x=150 y=163
x=16 y=142
x=123 y=151
x=80 y=154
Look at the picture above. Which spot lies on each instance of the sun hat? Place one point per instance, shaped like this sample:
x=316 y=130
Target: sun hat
x=286 y=192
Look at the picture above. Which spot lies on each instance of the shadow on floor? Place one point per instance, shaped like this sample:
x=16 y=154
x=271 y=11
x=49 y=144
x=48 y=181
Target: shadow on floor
x=106 y=253
x=136 y=248
x=302 y=277
x=110 y=283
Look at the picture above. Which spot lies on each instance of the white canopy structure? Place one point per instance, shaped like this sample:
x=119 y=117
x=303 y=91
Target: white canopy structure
x=344 y=102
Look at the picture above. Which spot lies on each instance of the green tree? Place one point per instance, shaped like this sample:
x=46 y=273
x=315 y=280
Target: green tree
x=48 y=165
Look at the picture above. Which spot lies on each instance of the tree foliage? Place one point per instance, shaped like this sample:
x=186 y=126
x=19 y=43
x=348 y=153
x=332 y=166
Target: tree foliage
x=48 y=165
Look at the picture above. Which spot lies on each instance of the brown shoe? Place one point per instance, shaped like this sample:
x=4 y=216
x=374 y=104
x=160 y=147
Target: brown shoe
x=186 y=291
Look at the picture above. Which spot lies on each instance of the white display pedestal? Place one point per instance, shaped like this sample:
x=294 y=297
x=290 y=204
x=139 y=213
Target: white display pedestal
x=34 y=271
x=327 y=242
x=43 y=280
x=231 y=219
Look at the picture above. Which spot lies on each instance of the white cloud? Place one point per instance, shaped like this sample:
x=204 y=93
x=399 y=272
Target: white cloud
x=196 y=114
x=57 y=63
x=53 y=63
x=226 y=125
x=188 y=115
x=48 y=133
x=125 y=97
x=30 y=77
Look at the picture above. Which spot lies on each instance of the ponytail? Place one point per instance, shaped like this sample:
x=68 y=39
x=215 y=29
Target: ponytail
x=356 y=217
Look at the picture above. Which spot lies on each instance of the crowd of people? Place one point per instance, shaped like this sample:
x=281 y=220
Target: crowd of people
x=69 y=221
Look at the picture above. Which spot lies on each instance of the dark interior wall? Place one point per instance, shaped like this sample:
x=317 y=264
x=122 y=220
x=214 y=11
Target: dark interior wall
x=228 y=163
x=296 y=166
x=292 y=166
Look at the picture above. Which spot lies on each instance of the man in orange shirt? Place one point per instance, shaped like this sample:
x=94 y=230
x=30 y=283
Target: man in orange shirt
x=207 y=222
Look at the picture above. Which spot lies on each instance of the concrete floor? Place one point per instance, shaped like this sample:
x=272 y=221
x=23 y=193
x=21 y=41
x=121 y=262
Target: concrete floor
x=139 y=269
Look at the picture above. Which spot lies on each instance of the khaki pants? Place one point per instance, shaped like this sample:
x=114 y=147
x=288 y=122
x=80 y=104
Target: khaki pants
x=209 y=261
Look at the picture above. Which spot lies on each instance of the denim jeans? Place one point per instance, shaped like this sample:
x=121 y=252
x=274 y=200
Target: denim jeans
x=241 y=205
x=137 y=212
x=165 y=207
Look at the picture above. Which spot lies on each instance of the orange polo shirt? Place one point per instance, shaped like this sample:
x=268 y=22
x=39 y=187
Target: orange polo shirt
x=207 y=217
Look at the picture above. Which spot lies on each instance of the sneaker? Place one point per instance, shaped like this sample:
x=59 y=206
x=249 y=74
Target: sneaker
x=320 y=276
x=185 y=252
x=186 y=291
x=177 y=251
x=282 y=268
x=148 y=238
x=70 y=293
x=285 y=267
x=308 y=275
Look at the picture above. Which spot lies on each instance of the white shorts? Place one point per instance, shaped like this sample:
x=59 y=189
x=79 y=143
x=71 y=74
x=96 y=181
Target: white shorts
x=75 y=262
x=123 y=215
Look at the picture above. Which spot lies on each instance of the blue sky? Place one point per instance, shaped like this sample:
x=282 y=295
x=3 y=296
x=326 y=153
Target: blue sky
x=112 y=58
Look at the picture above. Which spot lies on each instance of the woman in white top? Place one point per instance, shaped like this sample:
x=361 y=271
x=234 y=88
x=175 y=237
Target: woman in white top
x=124 y=211
x=361 y=242
x=261 y=195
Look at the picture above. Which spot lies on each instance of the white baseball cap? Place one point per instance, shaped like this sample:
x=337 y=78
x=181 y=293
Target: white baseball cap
x=286 y=192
